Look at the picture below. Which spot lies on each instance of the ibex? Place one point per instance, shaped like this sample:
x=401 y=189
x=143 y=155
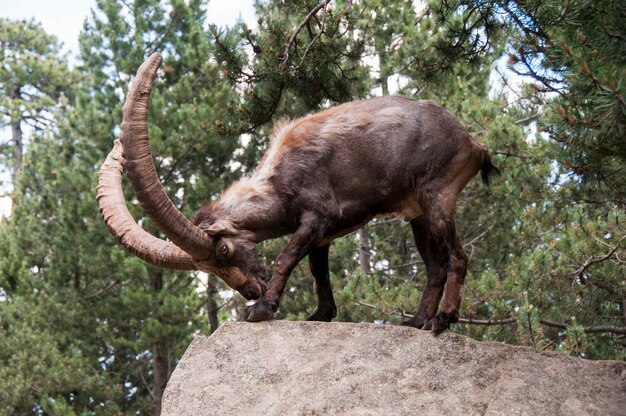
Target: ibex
x=323 y=176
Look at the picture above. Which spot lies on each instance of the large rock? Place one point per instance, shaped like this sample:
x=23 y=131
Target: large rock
x=308 y=368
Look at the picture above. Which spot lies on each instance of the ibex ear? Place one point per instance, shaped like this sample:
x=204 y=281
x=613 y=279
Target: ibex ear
x=219 y=227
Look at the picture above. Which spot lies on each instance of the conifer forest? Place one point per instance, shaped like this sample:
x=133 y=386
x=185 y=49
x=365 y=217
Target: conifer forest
x=86 y=328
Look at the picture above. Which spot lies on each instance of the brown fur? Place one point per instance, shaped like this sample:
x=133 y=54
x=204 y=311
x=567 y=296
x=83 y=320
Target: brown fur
x=327 y=174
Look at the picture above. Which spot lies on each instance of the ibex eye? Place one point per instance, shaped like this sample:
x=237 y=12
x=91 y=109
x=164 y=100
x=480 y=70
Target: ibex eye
x=224 y=250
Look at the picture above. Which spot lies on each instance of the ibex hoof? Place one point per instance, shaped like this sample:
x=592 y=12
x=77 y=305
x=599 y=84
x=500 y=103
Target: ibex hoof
x=323 y=315
x=442 y=321
x=418 y=323
x=260 y=311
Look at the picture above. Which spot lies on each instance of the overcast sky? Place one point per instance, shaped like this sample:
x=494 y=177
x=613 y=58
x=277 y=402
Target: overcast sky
x=65 y=18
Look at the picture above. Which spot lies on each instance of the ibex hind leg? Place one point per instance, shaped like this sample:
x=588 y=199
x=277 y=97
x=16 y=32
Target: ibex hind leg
x=429 y=246
x=326 y=309
x=453 y=293
x=439 y=245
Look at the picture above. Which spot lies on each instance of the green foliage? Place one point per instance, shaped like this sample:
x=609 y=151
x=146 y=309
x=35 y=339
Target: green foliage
x=44 y=364
x=34 y=81
x=588 y=117
x=33 y=73
x=574 y=54
x=576 y=339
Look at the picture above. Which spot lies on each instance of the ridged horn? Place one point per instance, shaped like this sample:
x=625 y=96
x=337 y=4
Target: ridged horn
x=116 y=216
x=140 y=167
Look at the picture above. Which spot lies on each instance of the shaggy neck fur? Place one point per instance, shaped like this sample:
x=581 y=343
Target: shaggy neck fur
x=252 y=203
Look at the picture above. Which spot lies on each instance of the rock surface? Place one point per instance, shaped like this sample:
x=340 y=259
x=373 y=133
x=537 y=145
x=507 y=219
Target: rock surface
x=309 y=368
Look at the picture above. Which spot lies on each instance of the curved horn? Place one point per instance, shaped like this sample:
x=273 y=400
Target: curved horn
x=140 y=168
x=121 y=223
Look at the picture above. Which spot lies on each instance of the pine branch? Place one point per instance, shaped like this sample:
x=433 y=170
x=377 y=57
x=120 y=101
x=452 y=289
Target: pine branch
x=526 y=120
x=513 y=320
x=473 y=321
x=315 y=39
x=103 y=291
x=587 y=329
x=597 y=259
x=479 y=236
x=297 y=30
x=546 y=322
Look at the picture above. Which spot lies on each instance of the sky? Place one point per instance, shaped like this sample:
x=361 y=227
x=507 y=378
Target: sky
x=65 y=18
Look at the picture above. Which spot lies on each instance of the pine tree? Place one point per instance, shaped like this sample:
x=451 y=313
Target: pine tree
x=573 y=53
x=52 y=339
x=34 y=79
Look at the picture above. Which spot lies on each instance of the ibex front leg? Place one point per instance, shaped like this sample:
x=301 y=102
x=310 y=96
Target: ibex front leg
x=318 y=262
x=308 y=236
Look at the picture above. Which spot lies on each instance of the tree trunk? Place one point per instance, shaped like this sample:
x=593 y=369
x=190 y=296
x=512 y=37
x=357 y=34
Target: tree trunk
x=18 y=151
x=211 y=305
x=161 y=371
x=364 y=250
x=18 y=148
x=384 y=78
x=160 y=354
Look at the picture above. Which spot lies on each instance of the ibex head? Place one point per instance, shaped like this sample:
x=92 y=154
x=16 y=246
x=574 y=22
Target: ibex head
x=211 y=246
